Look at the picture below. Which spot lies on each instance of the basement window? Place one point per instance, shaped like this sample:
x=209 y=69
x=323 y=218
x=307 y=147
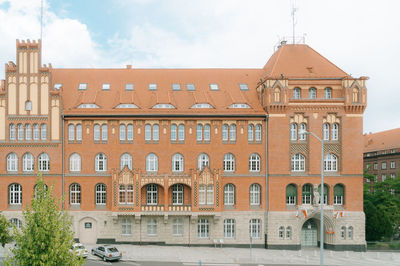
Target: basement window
x=106 y=87
x=82 y=86
x=129 y=87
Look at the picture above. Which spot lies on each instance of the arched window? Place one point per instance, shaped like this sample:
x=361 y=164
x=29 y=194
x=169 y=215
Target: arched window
x=289 y=232
x=104 y=132
x=255 y=228
x=44 y=162
x=122 y=132
x=298 y=162
x=335 y=131
x=36 y=189
x=202 y=161
x=291 y=194
x=207 y=132
x=250 y=133
x=12 y=132
x=43 y=129
x=129 y=133
x=293 y=131
x=225 y=132
x=151 y=163
x=129 y=194
x=302 y=130
x=181 y=132
x=28 y=106
x=229 y=228
x=28 y=162
x=338 y=194
x=255 y=194
x=350 y=233
x=12 y=162
x=254 y=163
x=101 y=162
x=328 y=93
x=35 y=132
x=96 y=132
x=307 y=194
x=232 y=132
x=325 y=129
x=75 y=194
x=75 y=163
x=229 y=163
x=122 y=194
x=71 y=132
x=356 y=96
x=15 y=194
x=28 y=132
x=177 y=194
x=326 y=193
x=177 y=163
x=258 y=132
x=147 y=133
x=79 y=132
x=199 y=132
x=330 y=163
x=312 y=93
x=277 y=95
x=343 y=232
x=281 y=232
x=101 y=194
x=126 y=159
x=173 y=132
x=296 y=93
x=20 y=132
x=152 y=194
x=155 y=132
x=229 y=194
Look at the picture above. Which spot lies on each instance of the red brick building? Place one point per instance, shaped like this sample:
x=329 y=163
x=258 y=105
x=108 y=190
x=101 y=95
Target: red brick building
x=189 y=156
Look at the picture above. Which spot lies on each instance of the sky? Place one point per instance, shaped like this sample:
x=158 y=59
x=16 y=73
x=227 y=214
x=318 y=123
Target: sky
x=360 y=36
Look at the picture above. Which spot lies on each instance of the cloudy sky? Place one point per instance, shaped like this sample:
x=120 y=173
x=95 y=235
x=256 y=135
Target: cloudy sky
x=360 y=36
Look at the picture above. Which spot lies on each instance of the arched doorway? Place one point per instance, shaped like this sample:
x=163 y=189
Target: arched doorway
x=88 y=231
x=309 y=234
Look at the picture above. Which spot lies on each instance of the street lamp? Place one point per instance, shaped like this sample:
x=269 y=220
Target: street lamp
x=321 y=253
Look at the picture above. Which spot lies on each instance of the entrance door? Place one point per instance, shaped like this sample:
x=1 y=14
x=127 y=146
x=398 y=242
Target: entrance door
x=88 y=231
x=309 y=234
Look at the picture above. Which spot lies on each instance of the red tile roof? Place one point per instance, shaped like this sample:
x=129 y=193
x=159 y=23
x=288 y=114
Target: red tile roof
x=383 y=140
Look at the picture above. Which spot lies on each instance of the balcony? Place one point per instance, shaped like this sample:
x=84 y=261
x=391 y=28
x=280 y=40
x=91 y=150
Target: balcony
x=179 y=208
x=153 y=208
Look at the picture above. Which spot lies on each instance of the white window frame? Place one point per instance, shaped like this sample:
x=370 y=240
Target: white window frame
x=15 y=194
x=152 y=227
x=126 y=159
x=306 y=195
x=258 y=132
x=177 y=163
x=255 y=228
x=281 y=233
x=151 y=163
x=177 y=227
x=96 y=132
x=75 y=162
x=44 y=162
x=229 y=228
x=202 y=194
x=20 y=132
x=328 y=93
x=298 y=162
x=104 y=132
x=325 y=131
x=312 y=93
x=229 y=195
x=156 y=132
x=335 y=131
x=296 y=93
x=36 y=132
x=250 y=133
x=302 y=129
x=202 y=161
x=181 y=132
x=12 y=132
x=293 y=131
x=210 y=195
x=255 y=194
x=122 y=132
x=199 y=132
x=203 y=228
x=225 y=132
x=147 y=132
x=12 y=162
x=177 y=194
x=126 y=226
x=229 y=162
x=75 y=194
x=207 y=132
x=28 y=132
x=71 y=132
x=101 y=194
x=129 y=132
x=151 y=194
x=232 y=132
x=101 y=162
x=43 y=132
x=174 y=135
x=254 y=163
x=28 y=162
x=330 y=163
x=78 y=129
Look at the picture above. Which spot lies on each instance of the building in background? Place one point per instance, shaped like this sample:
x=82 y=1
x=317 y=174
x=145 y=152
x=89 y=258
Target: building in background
x=382 y=154
x=189 y=156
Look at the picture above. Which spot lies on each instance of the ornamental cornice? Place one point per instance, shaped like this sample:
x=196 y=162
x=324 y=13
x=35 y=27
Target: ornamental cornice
x=28 y=117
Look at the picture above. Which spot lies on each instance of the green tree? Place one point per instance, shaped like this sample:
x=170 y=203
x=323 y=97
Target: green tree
x=46 y=236
x=5 y=236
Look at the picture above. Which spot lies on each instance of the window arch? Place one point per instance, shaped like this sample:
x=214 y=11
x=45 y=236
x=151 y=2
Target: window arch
x=281 y=232
x=177 y=163
x=43 y=132
x=177 y=194
x=12 y=132
x=202 y=161
x=181 y=132
x=296 y=93
x=101 y=194
x=229 y=163
x=129 y=132
x=28 y=132
x=75 y=163
x=122 y=132
x=71 y=132
x=325 y=129
x=156 y=132
x=302 y=129
x=258 y=132
x=255 y=194
x=152 y=194
x=96 y=132
x=20 y=129
x=126 y=159
x=28 y=162
x=36 y=132
x=335 y=131
x=250 y=133
x=229 y=194
x=79 y=132
x=298 y=162
x=101 y=162
x=338 y=194
x=291 y=194
x=254 y=163
x=104 y=132
x=28 y=106
x=330 y=162
x=174 y=129
x=293 y=131
x=151 y=163
x=328 y=93
x=224 y=132
x=232 y=132
x=307 y=194
x=312 y=93
x=15 y=194
x=12 y=162
x=44 y=162
x=75 y=194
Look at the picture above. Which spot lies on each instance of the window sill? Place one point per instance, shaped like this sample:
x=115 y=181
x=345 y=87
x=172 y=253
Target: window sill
x=229 y=207
x=75 y=206
x=15 y=206
x=101 y=206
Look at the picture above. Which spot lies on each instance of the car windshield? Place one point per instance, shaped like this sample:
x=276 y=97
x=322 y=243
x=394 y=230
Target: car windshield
x=112 y=250
x=80 y=247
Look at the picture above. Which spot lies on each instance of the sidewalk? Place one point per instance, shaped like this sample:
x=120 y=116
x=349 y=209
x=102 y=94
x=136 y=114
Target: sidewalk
x=243 y=255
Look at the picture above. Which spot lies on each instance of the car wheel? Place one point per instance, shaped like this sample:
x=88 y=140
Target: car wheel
x=105 y=258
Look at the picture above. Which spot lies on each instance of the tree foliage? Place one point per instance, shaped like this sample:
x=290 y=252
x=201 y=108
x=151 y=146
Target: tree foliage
x=382 y=208
x=46 y=236
x=5 y=235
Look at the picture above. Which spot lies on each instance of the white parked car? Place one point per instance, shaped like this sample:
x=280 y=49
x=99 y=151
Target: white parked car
x=79 y=250
x=107 y=252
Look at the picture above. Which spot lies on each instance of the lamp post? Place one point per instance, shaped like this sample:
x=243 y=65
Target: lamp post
x=321 y=253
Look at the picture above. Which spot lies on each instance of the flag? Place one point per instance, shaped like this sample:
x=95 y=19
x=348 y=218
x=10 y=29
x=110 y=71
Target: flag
x=297 y=214
x=305 y=213
x=341 y=214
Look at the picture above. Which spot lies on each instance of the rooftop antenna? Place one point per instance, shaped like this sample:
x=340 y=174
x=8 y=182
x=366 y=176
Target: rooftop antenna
x=41 y=19
x=294 y=9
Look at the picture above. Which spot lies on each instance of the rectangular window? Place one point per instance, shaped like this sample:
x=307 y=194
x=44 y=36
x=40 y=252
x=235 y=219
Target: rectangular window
x=383 y=178
x=383 y=166
x=255 y=228
x=202 y=194
x=177 y=227
x=392 y=176
x=152 y=87
x=214 y=87
x=243 y=87
x=375 y=166
x=106 y=87
x=392 y=165
x=190 y=87
x=392 y=151
x=210 y=195
x=176 y=87
x=152 y=227
x=82 y=86
x=58 y=86
x=126 y=227
x=129 y=87
x=203 y=228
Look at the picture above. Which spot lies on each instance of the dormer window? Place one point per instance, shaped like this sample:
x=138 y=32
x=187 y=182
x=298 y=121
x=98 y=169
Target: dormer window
x=106 y=87
x=243 y=87
x=238 y=105
x=57 y=86
x=88 y=106
x=82 y=86
x=152 y=87
x=214 y=87
x=163 y=105
x=201 y=105
x=28 y=106
x=176 y=87
x=190 y=87
x=126 y=105
x=129 y=87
